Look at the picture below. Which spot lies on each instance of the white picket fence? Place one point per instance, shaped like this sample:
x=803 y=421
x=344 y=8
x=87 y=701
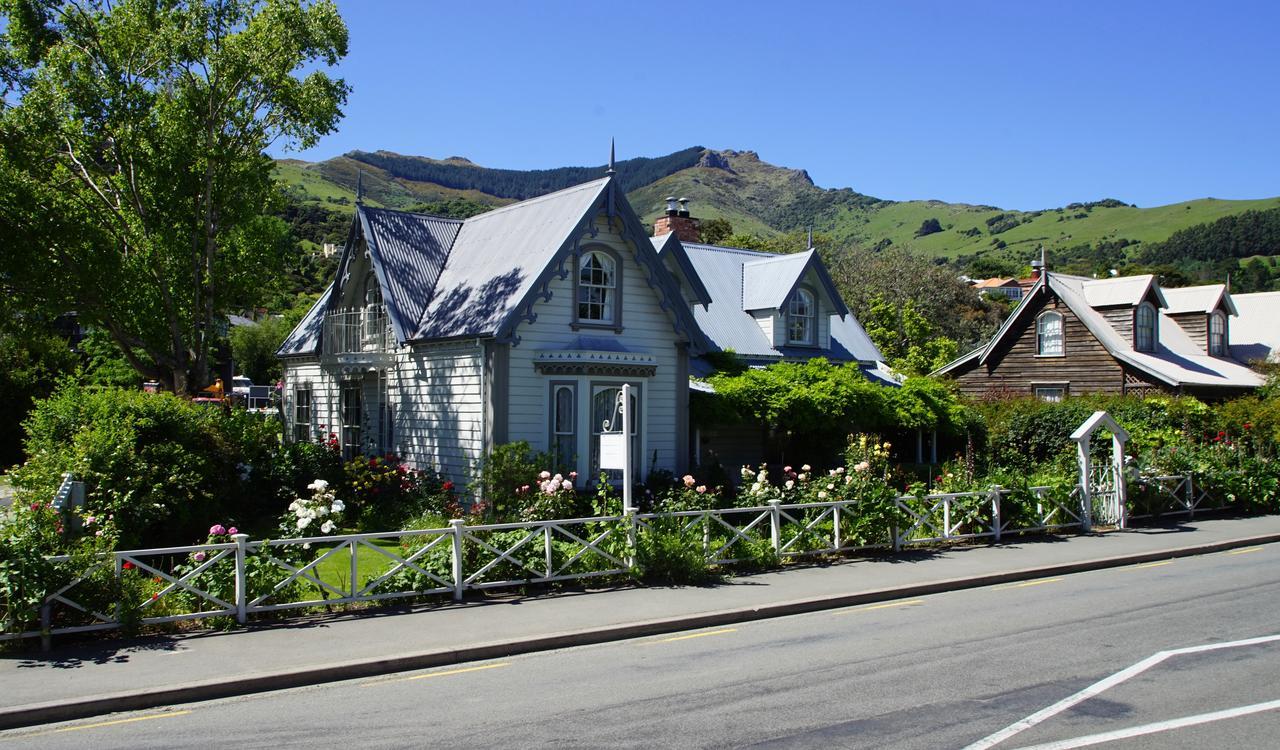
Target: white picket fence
x=242 y=577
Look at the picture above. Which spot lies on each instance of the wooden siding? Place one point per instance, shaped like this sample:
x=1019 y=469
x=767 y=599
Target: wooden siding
x=1121 y=319
x=1015 y=370
x=768 y=322
x=1196 y=324
x=646 y=327
x=439 y=407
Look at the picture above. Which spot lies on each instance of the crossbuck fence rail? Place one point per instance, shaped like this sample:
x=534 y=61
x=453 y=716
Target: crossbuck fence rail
x=243 y=577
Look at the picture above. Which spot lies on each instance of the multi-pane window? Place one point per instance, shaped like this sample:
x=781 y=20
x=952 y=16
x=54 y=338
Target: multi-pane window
x=564 y=433
x=352 y=419
x=1144 y=328
x=302 y=415
x=801 y=316
x=1052 y=393
x=1217 y=334
x=1049 y=335
x=597 y=287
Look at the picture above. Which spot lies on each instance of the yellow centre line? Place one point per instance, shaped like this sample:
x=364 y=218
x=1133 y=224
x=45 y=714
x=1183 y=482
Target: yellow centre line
x=1025 y=584
x=1153 y=564
x=1244 y=551
x=695 y=635
x=77 y=728
x=446 y=673
x=880 y=606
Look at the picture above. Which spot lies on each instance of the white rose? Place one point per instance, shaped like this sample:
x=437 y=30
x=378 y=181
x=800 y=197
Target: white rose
x=326 y=527
x=339 y=506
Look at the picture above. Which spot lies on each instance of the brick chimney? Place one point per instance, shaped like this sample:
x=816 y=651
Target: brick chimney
x=678 y=220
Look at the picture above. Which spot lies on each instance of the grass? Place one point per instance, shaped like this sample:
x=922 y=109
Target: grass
x=335 y=570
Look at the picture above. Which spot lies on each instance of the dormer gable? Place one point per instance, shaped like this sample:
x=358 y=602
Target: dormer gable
x=1204 y=313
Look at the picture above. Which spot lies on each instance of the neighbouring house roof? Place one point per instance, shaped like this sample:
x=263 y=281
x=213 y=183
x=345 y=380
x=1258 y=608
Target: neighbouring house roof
x=1177 y=361
x=731 y=274
x=994 y=283
x=1255 y=331
x=1204 y=299
x=479 y=277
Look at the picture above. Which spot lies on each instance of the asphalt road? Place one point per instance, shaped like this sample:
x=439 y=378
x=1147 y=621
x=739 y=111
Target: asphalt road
x=944 y=671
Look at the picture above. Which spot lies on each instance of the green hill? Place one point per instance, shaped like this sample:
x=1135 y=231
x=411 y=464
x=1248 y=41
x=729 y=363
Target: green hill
x=766 y=200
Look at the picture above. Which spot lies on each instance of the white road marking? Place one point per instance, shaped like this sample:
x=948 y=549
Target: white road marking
x=1106 y=684
x=1159 y=726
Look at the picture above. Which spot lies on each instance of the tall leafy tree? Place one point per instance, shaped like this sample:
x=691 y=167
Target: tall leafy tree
x=134 y=183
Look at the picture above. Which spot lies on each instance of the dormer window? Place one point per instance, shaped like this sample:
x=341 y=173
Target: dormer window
x=1049 y=335
x=1144 y=328
x=802 y=316
x=598 y=293
x=1217 y=334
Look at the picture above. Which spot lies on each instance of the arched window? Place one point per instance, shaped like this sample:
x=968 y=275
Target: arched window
x=1049 y=335
x=801 y=317
x=597 y=288
x=1217 y=334
x=1144 y=328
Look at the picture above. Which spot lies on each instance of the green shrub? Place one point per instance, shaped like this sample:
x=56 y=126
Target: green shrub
x=668 y=553
x=163 y=467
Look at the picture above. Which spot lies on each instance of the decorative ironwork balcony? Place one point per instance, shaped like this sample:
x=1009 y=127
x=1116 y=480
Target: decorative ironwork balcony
x=358 y=333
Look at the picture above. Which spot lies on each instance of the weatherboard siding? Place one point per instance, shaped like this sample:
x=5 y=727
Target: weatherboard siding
x=646 y=327
x=303 y=373
x=1016 y=370
x=1196 y=325
x=439 y=410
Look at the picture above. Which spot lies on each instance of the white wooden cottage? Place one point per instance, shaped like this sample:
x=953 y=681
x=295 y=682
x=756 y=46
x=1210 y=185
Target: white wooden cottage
x=441 y=338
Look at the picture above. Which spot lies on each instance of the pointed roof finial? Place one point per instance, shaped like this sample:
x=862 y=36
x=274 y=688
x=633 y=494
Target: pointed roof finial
x=1228 y=289
x=810 y=245
x=610 y=170
x=359 y=185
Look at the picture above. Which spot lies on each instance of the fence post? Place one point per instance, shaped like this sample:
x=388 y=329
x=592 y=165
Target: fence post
x=835 y=527
x=997 y=522
x=546 y=547
x=1191 y=501
x=946 y=516
x=457 y=526
x=775 y=525
x=630 y=517
x=897 y=538
x=241 y=592
x=46 y=626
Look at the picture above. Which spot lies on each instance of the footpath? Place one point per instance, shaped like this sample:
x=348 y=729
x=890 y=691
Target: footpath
x=77 y=680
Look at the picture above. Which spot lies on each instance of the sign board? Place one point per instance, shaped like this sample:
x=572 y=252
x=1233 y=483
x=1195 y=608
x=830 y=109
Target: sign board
x=613 y=451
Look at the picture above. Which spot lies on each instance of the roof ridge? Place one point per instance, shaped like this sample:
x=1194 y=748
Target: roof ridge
x=419 y=214
x=727 y=249
x=537 y=199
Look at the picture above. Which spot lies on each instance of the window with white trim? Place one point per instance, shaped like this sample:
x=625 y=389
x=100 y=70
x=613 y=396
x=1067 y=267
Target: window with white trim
x=597 y=288
x=1217 y=334
x=1144 y=328
x=352 y=420
x=802 y=316
x=302 y=415
x=1052 y=394
x=1049 y=339
x=564 y=424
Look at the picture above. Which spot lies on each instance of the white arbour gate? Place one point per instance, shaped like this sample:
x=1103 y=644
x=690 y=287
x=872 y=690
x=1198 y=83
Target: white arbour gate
x=1102 y=486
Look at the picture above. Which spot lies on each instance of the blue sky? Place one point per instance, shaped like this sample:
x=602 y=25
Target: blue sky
x=1020 y=104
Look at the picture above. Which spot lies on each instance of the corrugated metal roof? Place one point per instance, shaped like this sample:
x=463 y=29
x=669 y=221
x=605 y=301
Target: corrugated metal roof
x=1255 y=332
x=410 y=250
x=768 y=282
x=304 y=339
x=668 y=246
x=498 y=257
x=729 y=326
x=1125 y=290
x=1203 y=299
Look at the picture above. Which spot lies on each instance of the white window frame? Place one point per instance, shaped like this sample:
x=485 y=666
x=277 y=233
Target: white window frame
x=1146 y=308
x=1043 y=337
x=608 y=305
x=1217 y=334
x=796 y=315
x=302 y=423
x=350 y=432
x=637 y=431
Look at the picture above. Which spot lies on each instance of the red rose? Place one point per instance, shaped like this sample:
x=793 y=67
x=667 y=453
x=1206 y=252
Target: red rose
x=127 y=565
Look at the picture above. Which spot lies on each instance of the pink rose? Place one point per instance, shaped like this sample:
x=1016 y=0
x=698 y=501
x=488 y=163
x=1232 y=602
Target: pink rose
x=233 y=530
x=217 y=530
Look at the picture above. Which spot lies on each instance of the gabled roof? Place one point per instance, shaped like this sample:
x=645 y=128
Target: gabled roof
x=994 y=283
x=769 y=282
x=304 y=339
x=1124 y=290
x=1204 y=299
x=409 y=252
x=728 y=325
x=447 y=279
x=1255 y=332
x=1178 y=361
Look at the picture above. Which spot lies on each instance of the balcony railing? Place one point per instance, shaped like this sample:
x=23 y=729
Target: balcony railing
x=366 y=331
